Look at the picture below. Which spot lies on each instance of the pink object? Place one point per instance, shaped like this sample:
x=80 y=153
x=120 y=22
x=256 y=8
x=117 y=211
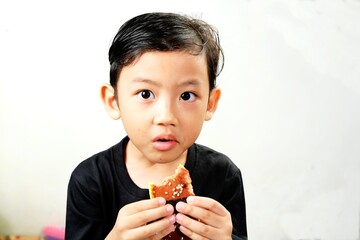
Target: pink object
x=54 y=233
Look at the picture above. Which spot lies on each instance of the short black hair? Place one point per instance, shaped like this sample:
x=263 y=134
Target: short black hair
x=164 y=32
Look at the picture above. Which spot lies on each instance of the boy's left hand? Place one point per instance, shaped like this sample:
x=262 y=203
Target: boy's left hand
x=215 y=221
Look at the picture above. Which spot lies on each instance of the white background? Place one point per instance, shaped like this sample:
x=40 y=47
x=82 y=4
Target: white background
x=289 y=116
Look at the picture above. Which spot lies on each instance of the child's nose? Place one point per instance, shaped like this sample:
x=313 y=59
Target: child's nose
x=165 y=113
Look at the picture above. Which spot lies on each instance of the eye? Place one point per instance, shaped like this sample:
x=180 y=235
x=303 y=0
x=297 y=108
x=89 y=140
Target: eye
x=188 y=96
x=145 y=94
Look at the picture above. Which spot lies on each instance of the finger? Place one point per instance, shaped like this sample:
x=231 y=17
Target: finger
x=192 y=235
x=149 y=215
x=198 y=213
x=142 y=205
x=208 y=203
x=165 y=232
x=154 y=230
x=195 y=229
x=161 y=234
x=215 y=220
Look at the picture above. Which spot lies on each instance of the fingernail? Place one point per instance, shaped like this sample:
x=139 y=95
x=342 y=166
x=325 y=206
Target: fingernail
x=190 y=199
x=161 y=201
x=180 y=206
x=179 y=217
x=172 y=219
x=169 y=208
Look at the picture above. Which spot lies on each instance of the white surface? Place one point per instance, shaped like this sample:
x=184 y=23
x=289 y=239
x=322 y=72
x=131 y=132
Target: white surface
x=289 y=115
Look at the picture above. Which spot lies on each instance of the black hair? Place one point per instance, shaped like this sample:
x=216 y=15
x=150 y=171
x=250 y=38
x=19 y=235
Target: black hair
x=165 y=32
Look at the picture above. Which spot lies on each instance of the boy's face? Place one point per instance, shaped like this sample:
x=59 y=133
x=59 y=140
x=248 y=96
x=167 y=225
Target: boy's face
x=163 y=99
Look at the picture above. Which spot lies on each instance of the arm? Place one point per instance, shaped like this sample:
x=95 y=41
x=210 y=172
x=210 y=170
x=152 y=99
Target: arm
x=83 y=214
x=234 y=202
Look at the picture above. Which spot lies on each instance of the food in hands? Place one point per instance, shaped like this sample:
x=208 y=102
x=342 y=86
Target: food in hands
x=174 y=188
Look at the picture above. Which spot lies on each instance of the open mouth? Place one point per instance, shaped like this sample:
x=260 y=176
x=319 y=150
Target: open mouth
x=164 y=143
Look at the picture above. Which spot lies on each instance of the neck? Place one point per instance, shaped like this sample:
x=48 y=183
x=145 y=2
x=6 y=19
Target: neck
x=143 y=171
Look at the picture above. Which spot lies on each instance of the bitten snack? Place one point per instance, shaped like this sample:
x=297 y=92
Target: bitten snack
x=174 y=188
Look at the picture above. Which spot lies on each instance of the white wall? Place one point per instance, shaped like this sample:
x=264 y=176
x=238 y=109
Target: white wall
x=289 y=116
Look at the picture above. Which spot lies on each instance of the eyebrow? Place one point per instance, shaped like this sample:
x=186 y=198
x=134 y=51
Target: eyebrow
x=190 y=82
x=145 y=80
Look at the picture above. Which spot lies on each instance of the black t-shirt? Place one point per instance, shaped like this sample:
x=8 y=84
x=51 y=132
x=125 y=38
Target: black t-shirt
x=100 y=186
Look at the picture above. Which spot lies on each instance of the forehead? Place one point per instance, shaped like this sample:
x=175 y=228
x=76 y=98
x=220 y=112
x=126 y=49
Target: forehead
x=167 y=67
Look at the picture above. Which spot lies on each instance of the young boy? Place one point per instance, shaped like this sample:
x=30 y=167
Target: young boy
x=163 y=70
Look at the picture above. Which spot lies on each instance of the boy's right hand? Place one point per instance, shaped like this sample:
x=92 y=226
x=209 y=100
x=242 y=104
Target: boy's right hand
x=150 y=219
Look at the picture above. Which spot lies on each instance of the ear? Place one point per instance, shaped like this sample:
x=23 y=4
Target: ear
x=110 y=102
x=212 y=103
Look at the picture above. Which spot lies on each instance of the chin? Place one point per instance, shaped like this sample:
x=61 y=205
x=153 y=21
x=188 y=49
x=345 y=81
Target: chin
x=167 y=158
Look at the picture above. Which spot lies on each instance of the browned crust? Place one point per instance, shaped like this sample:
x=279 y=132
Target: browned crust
x=177 y=186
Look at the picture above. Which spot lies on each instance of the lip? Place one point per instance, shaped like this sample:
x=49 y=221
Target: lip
x=164 y=142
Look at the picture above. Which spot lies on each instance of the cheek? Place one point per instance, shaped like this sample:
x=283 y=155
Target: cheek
x=135 y=128
x=131 y=118
x=192 y=124
x=194 y=114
